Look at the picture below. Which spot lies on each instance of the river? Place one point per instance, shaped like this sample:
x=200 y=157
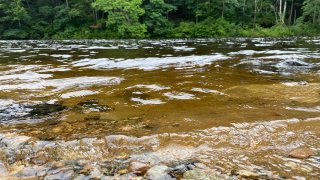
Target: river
x=234 y=107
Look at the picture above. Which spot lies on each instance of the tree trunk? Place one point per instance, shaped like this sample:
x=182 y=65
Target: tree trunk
x=291 y=11
x=243 y=10
x=67 y=3
x=255 y=13
x=222 y=13
x=295 y=17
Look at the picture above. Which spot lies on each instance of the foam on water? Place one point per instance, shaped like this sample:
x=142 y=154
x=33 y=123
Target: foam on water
x=153 y=87
x=64 y=83
x=204 y=90
x=150 y=63
x=315 y=109
x=27 y=76
x=179 y=95
x=78 y=94
x=147 y=101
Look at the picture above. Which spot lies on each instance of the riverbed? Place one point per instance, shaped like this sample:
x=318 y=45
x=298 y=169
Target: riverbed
x=230 y=108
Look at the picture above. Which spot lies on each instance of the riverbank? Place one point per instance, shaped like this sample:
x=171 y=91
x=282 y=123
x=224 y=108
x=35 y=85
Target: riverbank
x=264 y=150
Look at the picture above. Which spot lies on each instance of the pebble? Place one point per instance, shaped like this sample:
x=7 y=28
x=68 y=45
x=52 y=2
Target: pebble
x=302 y=153
x=138 y=167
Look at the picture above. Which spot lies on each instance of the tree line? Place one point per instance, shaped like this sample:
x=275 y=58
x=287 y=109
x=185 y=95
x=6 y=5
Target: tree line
x=47 y=19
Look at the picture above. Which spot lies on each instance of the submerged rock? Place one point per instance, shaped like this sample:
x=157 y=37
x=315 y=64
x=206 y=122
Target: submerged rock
x=302 y=153
x=295 y=63
x=199 y=174
x=94 y=105
x=45 y=109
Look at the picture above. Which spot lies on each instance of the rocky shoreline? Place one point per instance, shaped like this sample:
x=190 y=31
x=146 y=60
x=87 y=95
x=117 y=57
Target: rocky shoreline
x=127 y=157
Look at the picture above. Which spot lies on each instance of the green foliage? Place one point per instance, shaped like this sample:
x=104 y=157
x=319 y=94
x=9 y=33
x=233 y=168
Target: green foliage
x=123 y=17
x=275 y=31
x=206 y=28
x=64 y=19
x=311 y=11
x=156 y=12
x=15 y=33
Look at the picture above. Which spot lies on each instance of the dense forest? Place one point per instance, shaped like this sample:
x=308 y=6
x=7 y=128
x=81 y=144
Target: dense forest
x=61 y=19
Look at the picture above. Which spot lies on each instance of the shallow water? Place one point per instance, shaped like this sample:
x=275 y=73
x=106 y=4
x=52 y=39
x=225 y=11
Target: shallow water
x=231 y=104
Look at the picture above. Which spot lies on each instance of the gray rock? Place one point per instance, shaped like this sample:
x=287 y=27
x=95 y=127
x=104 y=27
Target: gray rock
x=35 y=171
x=14 y=142
x=3 y=169
x=158 y=172
x=45 y=109
x=62 y=175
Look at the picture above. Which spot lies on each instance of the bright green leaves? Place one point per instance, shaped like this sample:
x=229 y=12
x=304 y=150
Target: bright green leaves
x=13 y=18
x=13 y=12
x=123 y=17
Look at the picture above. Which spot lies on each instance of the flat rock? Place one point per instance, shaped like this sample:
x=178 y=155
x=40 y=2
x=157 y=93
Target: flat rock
x=14 y=142
x=302 y=153
x=159 y=172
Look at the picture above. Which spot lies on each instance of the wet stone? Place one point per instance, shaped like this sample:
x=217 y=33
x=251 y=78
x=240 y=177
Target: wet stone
x=45 y=109
x=86 y=169
x=58 y=164
x=247 y=174
x=15 y=142
x=302 y=153
x=179 y=168
x=158 y=172
x=36 y=171
x=130 y=176
x=94 y=105
x=88 y=103
x=112 y=167
x=138 y=167
x=296 y=63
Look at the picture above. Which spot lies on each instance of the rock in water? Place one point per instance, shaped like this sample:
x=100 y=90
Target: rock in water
x=138 y=167
x=46 y=109
x=3 y=169
x=248 y=174
x=302 y=153
x=14 y=142
x=159 y=172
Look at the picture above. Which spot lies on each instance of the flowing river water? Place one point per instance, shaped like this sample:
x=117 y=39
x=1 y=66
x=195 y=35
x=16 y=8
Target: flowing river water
x=234 y=108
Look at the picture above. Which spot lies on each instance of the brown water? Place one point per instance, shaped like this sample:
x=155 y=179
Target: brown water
x=231 y=104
